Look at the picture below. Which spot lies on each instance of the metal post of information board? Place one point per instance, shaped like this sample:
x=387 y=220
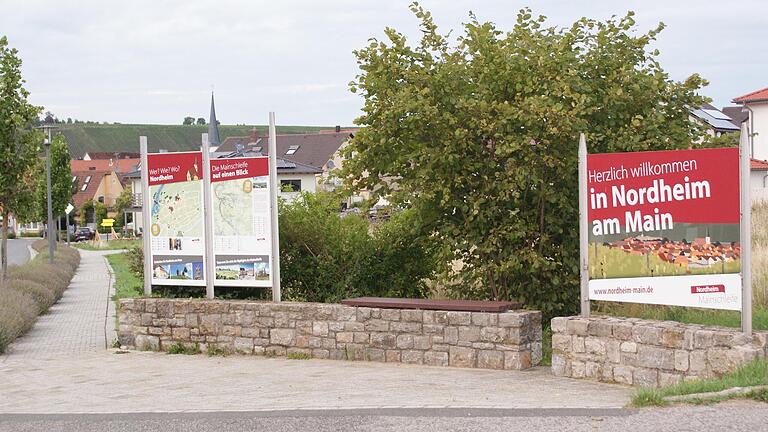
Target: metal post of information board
x=146 y=209
x=745 y=237
x=210 y=270
x=583 y=228
x=275 y=231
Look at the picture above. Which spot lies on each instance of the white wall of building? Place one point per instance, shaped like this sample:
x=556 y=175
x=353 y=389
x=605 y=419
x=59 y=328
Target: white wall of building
x=759 y=121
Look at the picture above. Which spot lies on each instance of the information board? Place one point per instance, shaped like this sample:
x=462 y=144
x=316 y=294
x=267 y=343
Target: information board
x=242 y=238
x=175 y=203
x=664 y=228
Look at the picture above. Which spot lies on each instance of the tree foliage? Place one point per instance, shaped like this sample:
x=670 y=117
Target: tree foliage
x=480 y=138
x=19 y=145
x=61 y=181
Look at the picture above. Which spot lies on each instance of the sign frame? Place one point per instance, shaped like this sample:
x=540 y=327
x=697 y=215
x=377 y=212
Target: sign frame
x=744 y=231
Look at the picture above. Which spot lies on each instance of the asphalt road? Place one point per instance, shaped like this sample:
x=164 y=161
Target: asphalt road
x=18 y=253
x=730 y=416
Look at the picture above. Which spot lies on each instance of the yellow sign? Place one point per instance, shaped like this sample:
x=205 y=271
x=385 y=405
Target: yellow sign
x=107 y=222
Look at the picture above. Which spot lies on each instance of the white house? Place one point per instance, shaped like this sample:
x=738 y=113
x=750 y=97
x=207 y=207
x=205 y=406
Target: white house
x=758 y=180
x=756 y=106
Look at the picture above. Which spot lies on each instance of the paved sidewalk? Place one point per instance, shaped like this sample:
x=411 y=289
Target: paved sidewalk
x=78 y=323
x=62 y=366
x=155 y=382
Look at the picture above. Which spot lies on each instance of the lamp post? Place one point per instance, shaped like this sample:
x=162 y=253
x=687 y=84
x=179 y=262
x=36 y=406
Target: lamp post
x=51 y=240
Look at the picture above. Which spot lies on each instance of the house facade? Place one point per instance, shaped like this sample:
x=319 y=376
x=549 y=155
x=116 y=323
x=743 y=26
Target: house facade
x=755 y=104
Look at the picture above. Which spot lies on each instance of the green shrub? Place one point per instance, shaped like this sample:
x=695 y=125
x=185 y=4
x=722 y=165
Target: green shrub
x=18 y=311
x=11 y=235
x=325 y=257
x=136 y=261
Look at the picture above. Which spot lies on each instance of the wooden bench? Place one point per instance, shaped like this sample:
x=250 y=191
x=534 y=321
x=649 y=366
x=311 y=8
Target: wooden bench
x=426 y=304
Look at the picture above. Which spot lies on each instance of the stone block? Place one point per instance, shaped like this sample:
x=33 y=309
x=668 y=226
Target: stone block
x=243 y=345
x=422 y=342
x=459 y=318
x=377 y=325
x=484 y=319
x=647 y=335
x=561 y=342
x=405 y=327
x=593 y=370
x=517 y=360
x=622 y=375
x=622 y=331
x=558 y=324
x=180 y=334
x=436 y=329
x=374 y=354
x=440 y=317
x=345 y=313
x=487 y=359
x=303 y=341
x=578 y=326
x=681 y=360
x=392 y=356
x=703 y=339
x=578 y=344
x=578 y=369
x=673 y=337
x=668 y=378
x=645 y=377
x=600 y=328
x=428 y=317
x=230 y=330
x=515 y=335
x=404 y=341
x=469 y=334
x=354 y=327
x=321 y=353
x=285 y=337
x=493 y=334
x=345 y=337
x=560 y=366
x=412 y=315
x=629 y=347
x=433 y=358
x=451 y=335
x=336 y=326
x=210 y=324
x=462 y=357
x=363 y=313
x=655 y=357
x=593 y=345
x=412 y=357
x=320 y=328
x=383 y=340
x=390 y=314
x=613 y=351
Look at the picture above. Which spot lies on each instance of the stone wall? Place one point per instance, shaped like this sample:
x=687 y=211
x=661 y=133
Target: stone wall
x=648 y=353
x=509 y=340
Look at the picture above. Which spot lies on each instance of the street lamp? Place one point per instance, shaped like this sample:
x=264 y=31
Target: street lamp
x=51 y=240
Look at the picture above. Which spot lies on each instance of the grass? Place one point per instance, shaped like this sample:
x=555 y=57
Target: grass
x=179 y=348
x=216 y=351
x=127 y=284
x=109 y=245
x=298 y=356
x=124 y=137
x=748 y=375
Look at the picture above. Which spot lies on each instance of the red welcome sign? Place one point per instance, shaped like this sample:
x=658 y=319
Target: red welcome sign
x=164 y=168
x=238 y=168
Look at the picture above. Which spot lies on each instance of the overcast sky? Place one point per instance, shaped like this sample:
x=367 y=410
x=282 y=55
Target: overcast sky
x=156 y=61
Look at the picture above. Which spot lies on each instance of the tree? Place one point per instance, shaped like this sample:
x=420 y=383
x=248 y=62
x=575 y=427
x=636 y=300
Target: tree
x=84 y=210
x=61 y=181
x=188 y=121
x=99 y=213
x=201 y=121
x=19 y=146
x=480 y=138
x=121 y=203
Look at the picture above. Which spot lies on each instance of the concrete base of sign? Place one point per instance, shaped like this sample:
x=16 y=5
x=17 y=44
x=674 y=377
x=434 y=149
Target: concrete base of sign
x=648 y=353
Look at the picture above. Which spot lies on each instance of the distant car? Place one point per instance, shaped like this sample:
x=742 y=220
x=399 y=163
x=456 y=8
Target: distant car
x=84 y=234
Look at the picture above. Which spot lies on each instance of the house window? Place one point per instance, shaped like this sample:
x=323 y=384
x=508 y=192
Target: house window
x=290 y=185
x=292 y=149
x=84 y=187
x=74 y=178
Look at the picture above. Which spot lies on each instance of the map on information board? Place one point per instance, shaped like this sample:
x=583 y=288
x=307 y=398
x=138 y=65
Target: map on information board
x=176 y=209
x=233 y=209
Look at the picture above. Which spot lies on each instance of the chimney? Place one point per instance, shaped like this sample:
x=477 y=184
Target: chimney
x=338 y=128
x=254 y=135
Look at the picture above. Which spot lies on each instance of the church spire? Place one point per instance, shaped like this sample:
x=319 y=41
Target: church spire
x=213 y=126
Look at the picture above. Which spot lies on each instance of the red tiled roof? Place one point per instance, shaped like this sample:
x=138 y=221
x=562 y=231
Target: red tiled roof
x=93 y=185
x=755 y=96
x=118 y=166
x=758 y=165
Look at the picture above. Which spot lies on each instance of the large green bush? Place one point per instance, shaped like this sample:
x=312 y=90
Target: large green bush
x=326 y=257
